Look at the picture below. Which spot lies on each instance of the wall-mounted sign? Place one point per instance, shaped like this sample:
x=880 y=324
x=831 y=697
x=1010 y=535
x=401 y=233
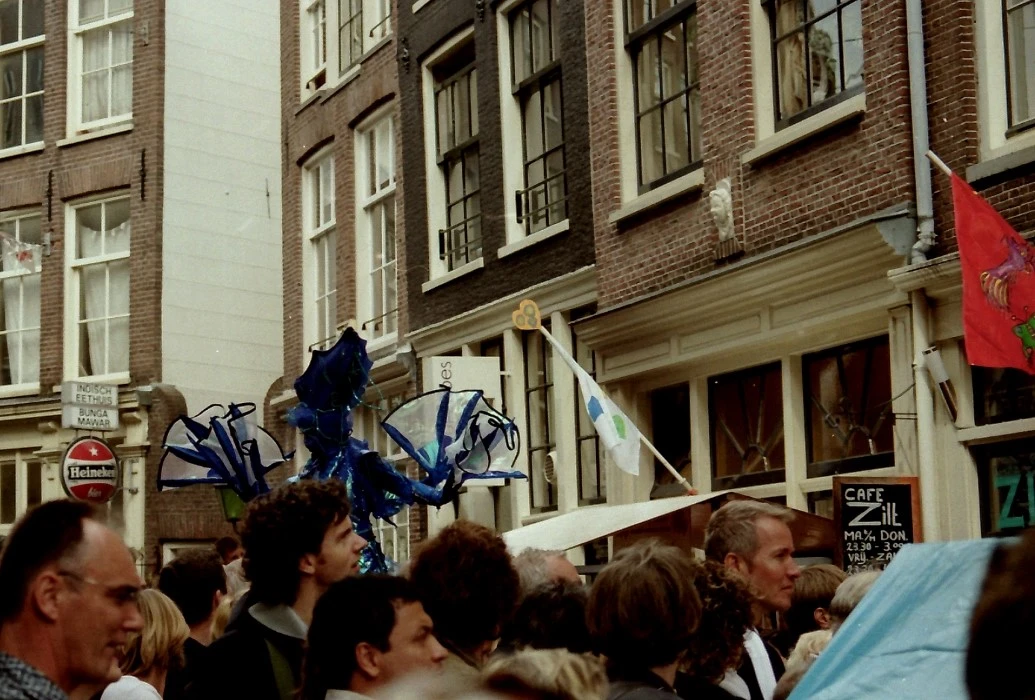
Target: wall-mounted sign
x=90 y=470
x=875 y=517
x=86 y=406
x=463 y=374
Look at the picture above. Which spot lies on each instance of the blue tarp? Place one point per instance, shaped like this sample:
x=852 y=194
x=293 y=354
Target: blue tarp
x=908 y=637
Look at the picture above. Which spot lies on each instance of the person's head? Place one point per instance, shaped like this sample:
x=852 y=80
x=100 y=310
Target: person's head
x=69 y=584
x=643 y=608
x=538 y=567
x=547 y=673
x=848 y=596
x=159 y=645
x=1001 y=645
x=196 y=583
x=810 y=604
x=367 y=632
x=467 y=584
x=552 y=616
x=725 y=616
x=754 y=539
x=229 y=549
x=299 y=531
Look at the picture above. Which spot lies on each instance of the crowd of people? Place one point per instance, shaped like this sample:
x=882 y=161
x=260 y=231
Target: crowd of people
x=283 y=614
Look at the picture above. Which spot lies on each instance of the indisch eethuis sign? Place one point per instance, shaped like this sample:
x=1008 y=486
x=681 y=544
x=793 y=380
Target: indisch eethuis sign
x=90 y=470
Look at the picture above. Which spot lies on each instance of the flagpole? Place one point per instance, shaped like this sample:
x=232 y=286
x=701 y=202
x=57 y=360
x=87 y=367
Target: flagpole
x=939 y=162
x=679 y=477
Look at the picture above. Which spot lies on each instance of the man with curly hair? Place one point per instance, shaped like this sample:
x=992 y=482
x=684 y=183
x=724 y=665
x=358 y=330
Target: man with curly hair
x=469 y=587
x=298 y=540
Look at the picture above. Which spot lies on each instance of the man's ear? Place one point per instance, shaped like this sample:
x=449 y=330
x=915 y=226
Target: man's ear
x=822 y=618
x=736 y=563
x=368 y=660
x=307 y=564
x=44 y=592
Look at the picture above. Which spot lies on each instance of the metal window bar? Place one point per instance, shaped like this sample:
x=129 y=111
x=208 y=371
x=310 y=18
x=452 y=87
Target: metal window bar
x=526 y=213
x=453 y=253
x=380 y=26
x=378 y=327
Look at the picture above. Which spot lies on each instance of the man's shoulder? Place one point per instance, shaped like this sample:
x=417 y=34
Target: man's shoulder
x=628 y=690
x=20 y=681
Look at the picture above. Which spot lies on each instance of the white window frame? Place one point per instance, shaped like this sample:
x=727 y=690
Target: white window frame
x=73 y=284
x=318 y=333
x=435 y=179
x=76 y=124
x=513 y=151
x=383 y=195
x=990 y=54
x=23 y=46
x=375 y=18
x=23 y=461
x=368 y=417
x=10 y=226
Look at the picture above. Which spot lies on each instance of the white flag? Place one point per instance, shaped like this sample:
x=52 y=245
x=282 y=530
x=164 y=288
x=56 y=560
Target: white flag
x=620 y=436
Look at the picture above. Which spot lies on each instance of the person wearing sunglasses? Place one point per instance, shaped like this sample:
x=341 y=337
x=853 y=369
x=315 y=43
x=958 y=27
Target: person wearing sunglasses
x=68 y=602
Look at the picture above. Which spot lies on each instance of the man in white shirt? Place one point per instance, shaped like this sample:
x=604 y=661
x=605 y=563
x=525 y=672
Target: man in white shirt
x=753 y=539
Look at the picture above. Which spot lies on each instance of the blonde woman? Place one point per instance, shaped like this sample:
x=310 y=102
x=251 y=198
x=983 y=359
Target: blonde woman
x=554 y=673
x=149 y=653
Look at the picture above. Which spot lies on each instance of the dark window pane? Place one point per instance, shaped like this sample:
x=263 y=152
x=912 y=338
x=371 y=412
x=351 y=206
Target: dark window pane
x=1002 y=395
x=746 y=410
x=848 y=399
x=34 y=487
x=8 y=502
x=8 y=21
x=32 y=18
x=670 y=430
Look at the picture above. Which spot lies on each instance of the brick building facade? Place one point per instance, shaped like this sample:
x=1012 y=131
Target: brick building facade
x=101 y=204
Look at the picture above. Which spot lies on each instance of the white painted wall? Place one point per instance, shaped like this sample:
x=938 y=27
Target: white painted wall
x=222 y=284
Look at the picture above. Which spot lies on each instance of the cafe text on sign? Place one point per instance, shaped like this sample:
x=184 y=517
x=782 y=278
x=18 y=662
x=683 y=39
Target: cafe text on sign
x=875 y=517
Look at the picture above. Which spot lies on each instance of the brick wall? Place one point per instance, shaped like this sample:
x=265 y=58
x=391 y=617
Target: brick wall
x=422 y=34
x=829 y=180
x=952 y=90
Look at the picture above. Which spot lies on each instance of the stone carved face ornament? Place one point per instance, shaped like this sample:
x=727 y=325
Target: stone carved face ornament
x=720 y=205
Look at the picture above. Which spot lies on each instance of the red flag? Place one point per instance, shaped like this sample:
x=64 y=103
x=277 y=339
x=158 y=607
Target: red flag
x=998 y=268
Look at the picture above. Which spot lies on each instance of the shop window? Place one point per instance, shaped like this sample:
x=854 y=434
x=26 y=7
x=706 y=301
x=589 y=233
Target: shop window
x=1006 y=473
x=1002 y=395
x=746 y=415
x=848 y=399
x=540 y=427
x=670 y=428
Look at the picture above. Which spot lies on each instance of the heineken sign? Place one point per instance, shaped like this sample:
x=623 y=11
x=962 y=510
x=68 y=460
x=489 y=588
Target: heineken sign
x=90 y=470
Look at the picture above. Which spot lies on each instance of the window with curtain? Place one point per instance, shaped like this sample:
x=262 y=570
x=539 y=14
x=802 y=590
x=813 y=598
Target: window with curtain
x=100 y=273
x=1019 y=16
x=536 y=83
x=21 y=486
x=21 y=72
x=661 y=37
x=321 y=259
x=540 y=428
x=817 y=54
x=103 y=34
x=848 y=406
x=746 y=415
x=20 y=240
x=456 y=116
x=350 y=34
x=379 y=299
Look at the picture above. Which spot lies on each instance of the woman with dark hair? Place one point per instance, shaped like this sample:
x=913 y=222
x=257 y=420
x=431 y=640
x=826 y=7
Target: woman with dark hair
x=642 y=613
x=468 y=585
x=717 y=645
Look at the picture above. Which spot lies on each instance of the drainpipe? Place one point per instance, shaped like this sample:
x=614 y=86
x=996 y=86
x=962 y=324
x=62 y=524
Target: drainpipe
x=921 y=140
x=925 y=425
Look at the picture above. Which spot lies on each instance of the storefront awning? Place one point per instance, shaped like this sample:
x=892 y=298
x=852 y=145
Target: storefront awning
x=679 y=520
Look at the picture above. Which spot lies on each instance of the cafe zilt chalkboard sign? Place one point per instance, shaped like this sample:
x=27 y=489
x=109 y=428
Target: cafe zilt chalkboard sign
x=874 y=518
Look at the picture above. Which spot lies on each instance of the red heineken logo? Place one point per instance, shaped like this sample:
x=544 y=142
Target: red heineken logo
x=90 y=470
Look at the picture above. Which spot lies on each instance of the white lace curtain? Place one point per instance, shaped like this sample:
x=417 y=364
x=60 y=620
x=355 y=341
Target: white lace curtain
x=105 y=298
x=107 y=71
x=22 y=310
